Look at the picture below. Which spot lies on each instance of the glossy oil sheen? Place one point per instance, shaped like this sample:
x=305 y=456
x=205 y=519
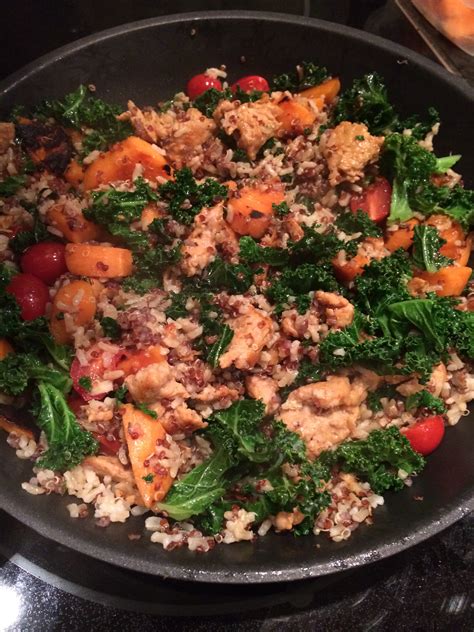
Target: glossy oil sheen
x=151 y=60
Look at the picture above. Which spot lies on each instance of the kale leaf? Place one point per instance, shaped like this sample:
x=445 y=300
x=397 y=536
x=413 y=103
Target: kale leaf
x=359 y=222
x=220 y=275
x=425 y=400
x=377 y=459
x=186 y=197
x=68 y=443
x=79 y=110
x=252 y=252
x=11 y=184
x=306 y=75
x=111 y=328
x=456 y=202
x=426 y=249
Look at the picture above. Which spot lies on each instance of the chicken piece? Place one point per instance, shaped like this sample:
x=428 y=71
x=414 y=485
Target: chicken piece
x=252 y=124
x=7 y=136
x=348 y=149
x=180 y=134
x=251 y=332
x=109 y=466
x=265 y=389
x=285 y=521
x=434 y=386
x=339 y=312
x=179 y=420
x=200 y=247
x=219 y=393
x=154 y=382
x=324 y=413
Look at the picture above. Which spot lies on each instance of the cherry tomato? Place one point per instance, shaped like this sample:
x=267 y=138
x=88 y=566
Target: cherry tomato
x=45 y=260
x=75 y=402
x=87 y=377
x=426 y=434
x=252 y=82
x=31 y=295
x=200 y=83
x=108 y=446
x=374 y=200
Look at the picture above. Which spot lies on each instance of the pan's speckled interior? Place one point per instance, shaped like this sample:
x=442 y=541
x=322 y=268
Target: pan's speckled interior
x=151 y=60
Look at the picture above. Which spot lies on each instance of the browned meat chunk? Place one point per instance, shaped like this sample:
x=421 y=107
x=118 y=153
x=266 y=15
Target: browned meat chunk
x=348 y=149
x=155 y=382
x=323 y=413
x=7 y=136
x=264 y=388
x=200 y=247
x=181 y=135
x=251 y=333
x=252 y=124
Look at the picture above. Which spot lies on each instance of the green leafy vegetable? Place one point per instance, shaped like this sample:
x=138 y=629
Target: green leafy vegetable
x=111 y=328
x=85 y=382
x=26 y=238
x=80 y=109
x=220 y=275
x=186 y=197
x=425 y=400
x=306 y=75
x=251 y=252
x=456 y=202
x=358 y=222
x=11 y=184
x=68 y=443
x=220 y=345
x=426 y=245
x=147 y=411
x=378 y=459
x=209 y=100
x=281 y=209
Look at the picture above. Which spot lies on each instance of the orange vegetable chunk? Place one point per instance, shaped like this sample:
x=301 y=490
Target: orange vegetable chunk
x=74 y=173
x=5 y=348
x=120 y=161
x=98 y=261
x=143 y=434
x=449 y=281
x=75 y=228
x=296 y=115
x=250 y=210
x=140 y=359
x=78 y=300
x=328 y=90
x=402 y=237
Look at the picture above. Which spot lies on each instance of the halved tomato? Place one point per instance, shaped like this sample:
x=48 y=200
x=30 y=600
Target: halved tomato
x=374 y=200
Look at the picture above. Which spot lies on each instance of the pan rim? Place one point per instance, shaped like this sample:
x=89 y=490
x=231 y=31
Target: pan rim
x=453 y=512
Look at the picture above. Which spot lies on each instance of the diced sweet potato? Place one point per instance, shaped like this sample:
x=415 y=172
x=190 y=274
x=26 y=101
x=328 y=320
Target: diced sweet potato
x=9 y=426
x=76 y=299
x=98 y=261
x=120 y=161
x=327 y=91
x=402 y=237
x=140 y=359
x=250 y=209
x=296 y=115
x=143 y=434
x=75 y=228
x=449 y=281
x=348 y=271
x=74 y=173
x=5 y=348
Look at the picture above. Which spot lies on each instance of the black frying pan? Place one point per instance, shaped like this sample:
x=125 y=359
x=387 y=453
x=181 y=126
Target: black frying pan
x=152 y=60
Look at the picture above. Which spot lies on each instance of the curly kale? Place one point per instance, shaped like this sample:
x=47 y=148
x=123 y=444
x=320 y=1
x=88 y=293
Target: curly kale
x=424 y=400
x=80 y=110
x=359 y=222
x=220 y=275
x=185 y=197
x=11 y=184
x=209 y=100
x=377 y=459
x=456 y=202
x=306 y=75
x=426 y=249
x=252 y=252
x=68 y=443
x=17 y=370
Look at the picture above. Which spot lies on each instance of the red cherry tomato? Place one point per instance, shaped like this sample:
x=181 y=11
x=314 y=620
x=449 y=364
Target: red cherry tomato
x=108 y=446
x=45 y=260
x=425 y=435
x=374 y=200
x=199 y=84
x=31 y=295
x=75 y=402
x=252 y=82
x=92 y=372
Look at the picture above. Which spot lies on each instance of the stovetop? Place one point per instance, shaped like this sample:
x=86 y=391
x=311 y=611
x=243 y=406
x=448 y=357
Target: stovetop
x=44 y=586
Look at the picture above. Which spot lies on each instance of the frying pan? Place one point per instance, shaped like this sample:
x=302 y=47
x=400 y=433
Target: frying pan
x=151 y=60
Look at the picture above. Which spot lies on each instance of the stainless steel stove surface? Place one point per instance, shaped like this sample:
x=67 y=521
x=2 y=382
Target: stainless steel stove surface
x=44 y=586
